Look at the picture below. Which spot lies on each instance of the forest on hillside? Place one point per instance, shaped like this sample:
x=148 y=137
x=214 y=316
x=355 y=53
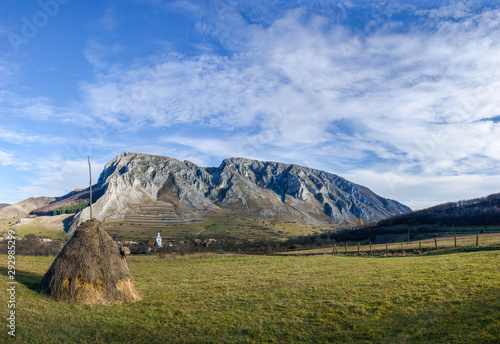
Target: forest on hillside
x=484 y=211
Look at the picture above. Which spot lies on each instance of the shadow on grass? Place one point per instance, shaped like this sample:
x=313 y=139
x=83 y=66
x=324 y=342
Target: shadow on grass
x=443 y=251
x=29 y=279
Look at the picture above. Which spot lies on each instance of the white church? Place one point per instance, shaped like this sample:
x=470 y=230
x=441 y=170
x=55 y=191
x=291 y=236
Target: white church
x=158 y=240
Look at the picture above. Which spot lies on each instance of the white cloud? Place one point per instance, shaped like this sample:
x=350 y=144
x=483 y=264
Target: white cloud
x=310 y=91
x=9 y=159
x=6 y=158
x=422 y=191
x=55 y=176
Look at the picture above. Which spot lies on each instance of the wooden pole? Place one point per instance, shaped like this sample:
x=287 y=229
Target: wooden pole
x=346 y=248
x=420 y=246
x=402 y=249
x=371 y=252
x=386 y=250
x=477 y=239
x=455 y=240
x=90 y=174
x=358 y=248
x=436 y=243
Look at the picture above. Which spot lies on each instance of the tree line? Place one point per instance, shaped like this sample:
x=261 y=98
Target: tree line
x=71 y=209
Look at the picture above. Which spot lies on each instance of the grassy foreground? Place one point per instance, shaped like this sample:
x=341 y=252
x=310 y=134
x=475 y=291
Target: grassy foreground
x=208 y=298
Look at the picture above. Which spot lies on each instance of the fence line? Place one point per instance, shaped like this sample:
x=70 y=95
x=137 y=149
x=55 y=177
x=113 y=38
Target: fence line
x=402 y=248
x=420 y=246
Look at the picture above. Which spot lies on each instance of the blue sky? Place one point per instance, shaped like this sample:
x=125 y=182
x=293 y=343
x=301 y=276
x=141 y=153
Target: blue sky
x=399 y=96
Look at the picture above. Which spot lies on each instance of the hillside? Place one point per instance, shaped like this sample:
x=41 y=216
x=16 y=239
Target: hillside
x=42 y=206
x=145 y=192
x=484 y=211
x=22 y=209
x=72 y=198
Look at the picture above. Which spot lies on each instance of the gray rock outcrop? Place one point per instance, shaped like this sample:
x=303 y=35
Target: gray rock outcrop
x=172 y=190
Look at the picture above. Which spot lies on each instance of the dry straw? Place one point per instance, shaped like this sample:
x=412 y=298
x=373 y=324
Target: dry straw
x=91 y=269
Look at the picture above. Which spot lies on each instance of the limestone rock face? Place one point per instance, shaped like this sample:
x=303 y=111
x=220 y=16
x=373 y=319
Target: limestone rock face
x=173 y=190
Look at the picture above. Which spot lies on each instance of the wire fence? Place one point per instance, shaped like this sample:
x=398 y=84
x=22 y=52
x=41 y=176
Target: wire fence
x=401 y=248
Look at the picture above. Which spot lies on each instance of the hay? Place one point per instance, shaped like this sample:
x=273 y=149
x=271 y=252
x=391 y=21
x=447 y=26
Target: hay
x=90 y=269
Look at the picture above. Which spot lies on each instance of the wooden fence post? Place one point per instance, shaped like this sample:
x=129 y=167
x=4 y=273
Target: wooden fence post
x=346 y=248
x=420 y=246
x=402 y=249
x=386 y=250
x=90 y=174
x=455 y=240
x=358 y=248
x=435 y=243
x=371 y=252
x=477 y=239
x=334 y=248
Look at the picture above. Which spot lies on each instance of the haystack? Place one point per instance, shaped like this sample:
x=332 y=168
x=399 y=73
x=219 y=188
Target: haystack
x=90 y=269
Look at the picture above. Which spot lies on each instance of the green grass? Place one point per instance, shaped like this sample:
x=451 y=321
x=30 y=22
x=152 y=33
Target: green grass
x=210 y=298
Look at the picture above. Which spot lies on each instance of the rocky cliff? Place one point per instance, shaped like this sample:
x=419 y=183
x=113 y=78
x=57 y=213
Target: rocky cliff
x=156 y=190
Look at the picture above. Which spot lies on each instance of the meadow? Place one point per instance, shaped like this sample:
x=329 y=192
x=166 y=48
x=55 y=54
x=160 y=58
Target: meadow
x=452 y=297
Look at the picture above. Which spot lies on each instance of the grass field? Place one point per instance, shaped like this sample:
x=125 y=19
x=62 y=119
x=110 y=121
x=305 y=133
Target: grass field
x=450 y=298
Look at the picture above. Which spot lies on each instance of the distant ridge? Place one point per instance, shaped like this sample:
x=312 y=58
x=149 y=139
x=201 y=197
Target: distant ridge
x=483 y=211
x=72 y=198
x=22 y=209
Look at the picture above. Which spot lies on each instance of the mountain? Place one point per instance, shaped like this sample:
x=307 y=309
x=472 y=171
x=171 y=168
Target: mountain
x=484 y=211
x=3 y=205
x=142 y=192
x=22 y=209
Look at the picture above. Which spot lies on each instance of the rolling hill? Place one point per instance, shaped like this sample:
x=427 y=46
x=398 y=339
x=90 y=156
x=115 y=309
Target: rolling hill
x=483 y=211
x=23 y=209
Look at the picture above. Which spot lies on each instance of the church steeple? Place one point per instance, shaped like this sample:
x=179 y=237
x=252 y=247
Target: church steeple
x=158 y=240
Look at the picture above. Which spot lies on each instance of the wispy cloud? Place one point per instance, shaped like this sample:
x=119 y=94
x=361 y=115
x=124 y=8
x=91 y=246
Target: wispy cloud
x=9 y=159
x=56 y=176
x=405 y=93
x=407 y=96
x=8 y=70
x=42 y=109
x=97 y=53
x=24 y=136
